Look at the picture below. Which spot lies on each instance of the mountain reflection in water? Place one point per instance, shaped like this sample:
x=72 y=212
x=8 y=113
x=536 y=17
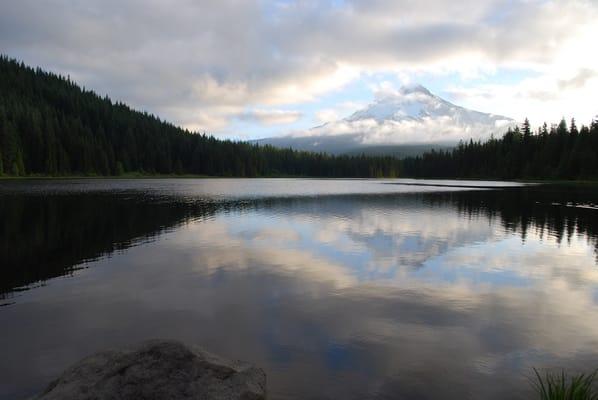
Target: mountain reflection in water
x=431 y=293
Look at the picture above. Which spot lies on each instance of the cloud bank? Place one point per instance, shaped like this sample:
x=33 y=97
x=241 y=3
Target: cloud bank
x=271 y=117
x=203 y=64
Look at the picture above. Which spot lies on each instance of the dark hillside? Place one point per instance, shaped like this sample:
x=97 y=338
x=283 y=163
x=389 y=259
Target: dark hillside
x=51 y=126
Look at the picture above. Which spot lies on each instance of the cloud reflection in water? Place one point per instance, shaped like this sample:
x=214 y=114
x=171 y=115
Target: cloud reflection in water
x=378 y=296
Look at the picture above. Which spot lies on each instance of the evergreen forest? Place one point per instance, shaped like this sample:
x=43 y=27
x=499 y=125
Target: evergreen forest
x=50 y=126
x=561 y=152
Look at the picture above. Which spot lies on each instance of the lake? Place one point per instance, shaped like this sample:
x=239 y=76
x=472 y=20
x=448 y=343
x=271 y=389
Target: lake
x=338 y=289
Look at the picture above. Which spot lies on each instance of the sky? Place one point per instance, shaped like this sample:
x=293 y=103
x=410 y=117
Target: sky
x=252 y=69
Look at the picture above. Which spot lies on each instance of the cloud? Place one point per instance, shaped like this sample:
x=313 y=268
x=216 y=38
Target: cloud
x=189 y=59
x=461 y=301
x=271 y=117
x=545 y=98
x=326 y=115
x=579 y=80
x=410 y=115
x=428 y=130
x=337 y=112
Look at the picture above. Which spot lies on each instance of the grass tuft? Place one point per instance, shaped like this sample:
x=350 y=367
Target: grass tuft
x=560 y=386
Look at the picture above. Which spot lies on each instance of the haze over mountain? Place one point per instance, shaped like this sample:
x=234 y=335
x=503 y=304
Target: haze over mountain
x=405 y=121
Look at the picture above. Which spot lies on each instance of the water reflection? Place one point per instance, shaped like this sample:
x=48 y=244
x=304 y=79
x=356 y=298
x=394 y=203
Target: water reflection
x=43 y=236
x=412 y=295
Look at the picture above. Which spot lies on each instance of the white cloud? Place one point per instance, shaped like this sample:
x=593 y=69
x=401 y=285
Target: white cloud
x=546 y=98
x=335 y=113
x=271 y=117
x=191 y=59
x=410 y=115
x=427 y=130
x=326 y=115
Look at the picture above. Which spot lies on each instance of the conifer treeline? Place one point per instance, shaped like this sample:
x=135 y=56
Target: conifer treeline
x=50 y=126
x=558 y=152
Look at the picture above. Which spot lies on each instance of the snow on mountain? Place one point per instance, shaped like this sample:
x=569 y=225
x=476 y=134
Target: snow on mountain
x=409 y=103
x=411 y=115
x=417 y=103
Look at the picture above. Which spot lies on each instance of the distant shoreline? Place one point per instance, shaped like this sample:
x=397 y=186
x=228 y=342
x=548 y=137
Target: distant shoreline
x=192 y=176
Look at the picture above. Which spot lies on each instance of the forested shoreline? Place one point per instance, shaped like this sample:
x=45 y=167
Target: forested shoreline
x=50 y=126
x=559 y=152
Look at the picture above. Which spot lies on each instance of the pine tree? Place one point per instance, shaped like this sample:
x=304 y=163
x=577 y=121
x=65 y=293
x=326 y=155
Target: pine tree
x=554 y=153
x=526 y=129
x=544 y=131
x=573 y=129
x=49 y=125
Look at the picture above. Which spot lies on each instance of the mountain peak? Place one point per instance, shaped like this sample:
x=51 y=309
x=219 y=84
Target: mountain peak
x=414 y=104
x=414 y=88
x=411 y=115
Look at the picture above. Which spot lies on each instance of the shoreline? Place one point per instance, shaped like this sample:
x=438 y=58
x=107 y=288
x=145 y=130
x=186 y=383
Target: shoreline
x=139 y=176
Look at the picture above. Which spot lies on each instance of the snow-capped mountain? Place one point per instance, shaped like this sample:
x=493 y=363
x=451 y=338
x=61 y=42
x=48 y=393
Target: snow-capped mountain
x=410 y=117
x=417 y=103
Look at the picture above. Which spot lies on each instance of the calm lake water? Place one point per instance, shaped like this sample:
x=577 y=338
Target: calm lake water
x=339 y=289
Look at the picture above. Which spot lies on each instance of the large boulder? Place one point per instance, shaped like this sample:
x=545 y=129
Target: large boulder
x=158 y=370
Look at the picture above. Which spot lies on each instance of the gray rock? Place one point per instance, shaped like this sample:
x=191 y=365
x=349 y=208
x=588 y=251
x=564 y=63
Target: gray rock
x=158 y=370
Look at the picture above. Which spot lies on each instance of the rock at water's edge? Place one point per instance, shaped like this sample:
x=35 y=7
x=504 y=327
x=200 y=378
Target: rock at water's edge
x=158 y=370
